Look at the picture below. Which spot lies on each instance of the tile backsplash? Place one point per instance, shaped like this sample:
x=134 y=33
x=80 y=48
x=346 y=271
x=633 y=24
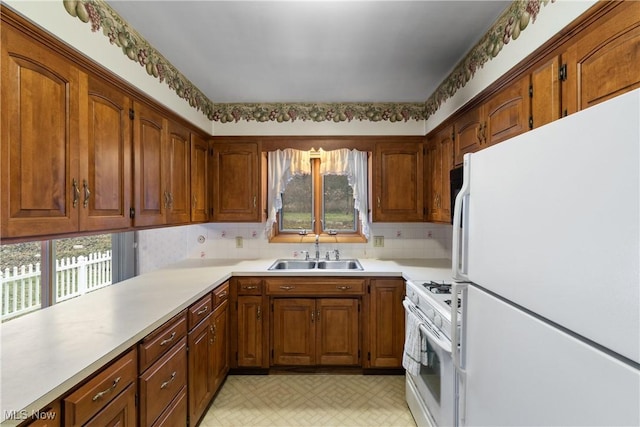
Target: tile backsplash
x=160 y=247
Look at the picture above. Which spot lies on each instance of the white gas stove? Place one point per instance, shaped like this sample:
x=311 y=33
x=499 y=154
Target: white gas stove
x=434 y=299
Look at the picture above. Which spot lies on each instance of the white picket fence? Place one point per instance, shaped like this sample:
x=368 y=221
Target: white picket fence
x=74 y=277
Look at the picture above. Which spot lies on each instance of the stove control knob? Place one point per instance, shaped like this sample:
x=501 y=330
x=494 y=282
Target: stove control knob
x=437 y=320
x=430 y=313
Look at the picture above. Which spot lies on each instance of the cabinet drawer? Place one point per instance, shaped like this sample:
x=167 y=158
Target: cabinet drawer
x=200 y=310
x=176 y=414
x=162 y=382
x=297 y=286
x=121 y=411
x=89 y=399
x=50 y=416
x=221 y=294
x=159 y=341
x=249 y=286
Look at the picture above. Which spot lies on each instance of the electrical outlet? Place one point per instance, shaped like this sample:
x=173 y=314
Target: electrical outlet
x=378 y=241
x=429 y=234
x=238 y=241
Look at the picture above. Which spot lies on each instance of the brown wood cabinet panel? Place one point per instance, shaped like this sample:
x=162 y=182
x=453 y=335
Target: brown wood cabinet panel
x=314 y=287
x=96 y=394
x=200 y=368
x=221 y=294
x=249 y=286
x=398 y=192
x=40 y=105
x=236 y=182
x=386 y=323
x=178 y=179
x=149 y=135
x=250 y=339
x=220 y=322
x=176 y=414
x=604 y=60
x=200 y=310
x=49 y=416
x=507 y=113
x=338 y=331
x=467 y=134
x=105 y=165
x=161 y=340
x=162 y=382
x=440 y=162
x=121 y=412
x=545 y=97
x=199 y=179
x=294 y=331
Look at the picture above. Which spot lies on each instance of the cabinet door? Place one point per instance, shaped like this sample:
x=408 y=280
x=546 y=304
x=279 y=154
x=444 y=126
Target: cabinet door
x=432 y=177
x=337 y=331
x=220 y=353
x=440 y=158
x=545 y=92
x=398 y=182
x=121 y=412
x=603 y=62
x=105 y=165
x=200 y=341
x=507 y=113
x=250 y=331
x=386 y=323
x=294 y=331
x=40 y=138
x=467 y=134
x=236 y=185
x=199 y=179
x=178 y=188
x=176 y=414
x=149 y=129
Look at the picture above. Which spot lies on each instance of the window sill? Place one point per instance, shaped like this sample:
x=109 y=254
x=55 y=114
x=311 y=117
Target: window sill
x=324 y=238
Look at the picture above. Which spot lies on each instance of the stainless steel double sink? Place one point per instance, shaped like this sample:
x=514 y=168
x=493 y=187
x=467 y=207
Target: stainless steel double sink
x=297 y=264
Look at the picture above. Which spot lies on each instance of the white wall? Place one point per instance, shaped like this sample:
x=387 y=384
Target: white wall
x=164 y=246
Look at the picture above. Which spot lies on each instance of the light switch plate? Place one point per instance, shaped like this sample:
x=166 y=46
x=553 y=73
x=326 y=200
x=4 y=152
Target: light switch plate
x=378 y=241
x=238 y=241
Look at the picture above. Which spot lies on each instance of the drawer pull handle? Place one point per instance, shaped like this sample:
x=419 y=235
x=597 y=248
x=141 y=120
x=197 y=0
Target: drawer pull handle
x=250 y=288
x=287 y=288
x=109 y=390
x=223 y=294
x=203 y=311
x=168 y=340
x=343 y=288
x=169 y=381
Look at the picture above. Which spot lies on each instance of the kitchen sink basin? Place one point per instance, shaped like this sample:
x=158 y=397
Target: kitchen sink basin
x=343 y=264
x=292 y=264
x=297 y=264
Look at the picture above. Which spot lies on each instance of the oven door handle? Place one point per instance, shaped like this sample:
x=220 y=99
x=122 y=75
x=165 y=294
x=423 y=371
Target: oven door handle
x=444 y=345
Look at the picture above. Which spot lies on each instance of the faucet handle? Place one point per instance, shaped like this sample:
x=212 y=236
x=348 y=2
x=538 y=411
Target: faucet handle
x=306 y=255
x=327 y=256
x=337 y=254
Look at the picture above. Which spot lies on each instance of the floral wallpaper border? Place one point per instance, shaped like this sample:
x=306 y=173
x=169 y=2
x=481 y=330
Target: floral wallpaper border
x=509 y=26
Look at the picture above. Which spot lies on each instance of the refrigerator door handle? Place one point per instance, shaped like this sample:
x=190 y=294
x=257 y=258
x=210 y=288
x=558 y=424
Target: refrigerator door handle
x=460 y=229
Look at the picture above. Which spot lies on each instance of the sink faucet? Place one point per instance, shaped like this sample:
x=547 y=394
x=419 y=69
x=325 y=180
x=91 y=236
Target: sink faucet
x=317 y=247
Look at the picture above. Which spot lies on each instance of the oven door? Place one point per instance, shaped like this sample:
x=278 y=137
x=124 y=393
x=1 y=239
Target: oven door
x=435 y=385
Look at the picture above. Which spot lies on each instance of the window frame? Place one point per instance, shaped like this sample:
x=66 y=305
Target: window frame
x=279 y=236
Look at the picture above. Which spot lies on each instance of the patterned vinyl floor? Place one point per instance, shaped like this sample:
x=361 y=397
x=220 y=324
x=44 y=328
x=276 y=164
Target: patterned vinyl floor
x=310 y=400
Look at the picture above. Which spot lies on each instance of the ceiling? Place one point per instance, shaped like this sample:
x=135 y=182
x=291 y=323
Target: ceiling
x=312 y=51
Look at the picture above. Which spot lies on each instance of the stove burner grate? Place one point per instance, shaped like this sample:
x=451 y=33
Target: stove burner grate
x=438 y=288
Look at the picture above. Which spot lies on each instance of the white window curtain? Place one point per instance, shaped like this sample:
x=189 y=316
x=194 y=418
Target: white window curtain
x=284 y=164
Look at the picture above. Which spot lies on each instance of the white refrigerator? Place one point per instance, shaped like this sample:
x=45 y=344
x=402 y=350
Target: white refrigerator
x=546 y=258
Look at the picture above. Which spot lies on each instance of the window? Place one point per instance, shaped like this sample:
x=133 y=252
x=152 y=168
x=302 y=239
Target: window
x=38 y=274
x=318 y=192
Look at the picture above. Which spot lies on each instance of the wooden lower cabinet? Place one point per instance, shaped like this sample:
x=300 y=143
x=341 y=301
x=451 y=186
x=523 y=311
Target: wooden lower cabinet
x=200 y=341
x=176 y=413
x=386 y=323
x=220 y=323
x=315 y=331
x=250 y=332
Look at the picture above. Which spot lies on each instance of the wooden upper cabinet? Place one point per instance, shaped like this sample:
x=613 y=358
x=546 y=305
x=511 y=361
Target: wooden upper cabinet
x=178 y=177
x=199 y=179
x=507 y=113
x=40 y=100
x=149 y=134
x=545 y=92
x=468 y=128
x=105 y=161
x=440 y=163
x=236 y=181
x=398 y=182
x=604 y=62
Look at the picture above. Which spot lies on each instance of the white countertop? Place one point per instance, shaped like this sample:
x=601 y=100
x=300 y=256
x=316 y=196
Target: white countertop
x=46 y=353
